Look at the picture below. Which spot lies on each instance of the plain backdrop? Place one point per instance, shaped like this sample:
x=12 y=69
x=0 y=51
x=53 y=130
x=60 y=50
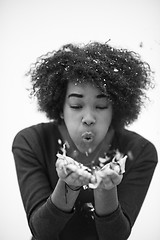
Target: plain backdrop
x=31 y=28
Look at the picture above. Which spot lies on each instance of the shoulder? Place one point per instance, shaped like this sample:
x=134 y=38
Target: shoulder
x=36 y=134
x=129 y=135
x=135 y=145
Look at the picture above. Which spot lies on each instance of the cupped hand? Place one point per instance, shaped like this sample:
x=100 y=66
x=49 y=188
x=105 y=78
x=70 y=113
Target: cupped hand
x=109 y=176
x=70 y=171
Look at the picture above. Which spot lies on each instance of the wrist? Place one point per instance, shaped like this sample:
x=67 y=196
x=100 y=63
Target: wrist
x=101 y=189
x=73 y=188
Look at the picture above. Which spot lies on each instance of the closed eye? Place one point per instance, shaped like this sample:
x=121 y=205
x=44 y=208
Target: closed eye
x=76 y=106
x=102 y=107
x=97 y=107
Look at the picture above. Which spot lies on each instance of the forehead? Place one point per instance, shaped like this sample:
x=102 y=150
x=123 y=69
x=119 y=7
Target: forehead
x=83 y=88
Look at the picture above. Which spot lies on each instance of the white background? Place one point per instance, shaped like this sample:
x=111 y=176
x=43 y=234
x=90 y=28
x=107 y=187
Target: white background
x=30 y=28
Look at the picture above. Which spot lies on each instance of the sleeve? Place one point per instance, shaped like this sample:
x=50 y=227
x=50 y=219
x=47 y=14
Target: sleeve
x=45 y=220
x=131 y=194
x=113 y=226
x=136 y=181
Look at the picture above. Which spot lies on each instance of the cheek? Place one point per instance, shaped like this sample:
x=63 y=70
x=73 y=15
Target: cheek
x=104 y=123
x=70 y=121
x=107 y=118
x=71 y=117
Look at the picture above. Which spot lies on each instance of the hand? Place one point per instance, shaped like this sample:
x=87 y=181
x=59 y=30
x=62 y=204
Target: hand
x=109 y=177
x=72 y=172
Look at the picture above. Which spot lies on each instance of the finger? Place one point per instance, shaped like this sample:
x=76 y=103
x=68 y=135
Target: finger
x=109 y=169
x=65 y=159
x=62 y=170
x=116 y=178
x=84 y=173
x=112 y=176
x=59 y=163
x=95 y=180
x=73 y=179
x=109 y=173
x=115 y=167
x=103 y=172
x=72 y=167
x=84 y=180
x=79 y=176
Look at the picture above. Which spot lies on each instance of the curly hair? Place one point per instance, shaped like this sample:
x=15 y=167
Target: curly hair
x=118 y=73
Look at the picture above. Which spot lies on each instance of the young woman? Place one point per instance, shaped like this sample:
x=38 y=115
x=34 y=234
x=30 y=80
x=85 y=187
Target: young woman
x=82 y=175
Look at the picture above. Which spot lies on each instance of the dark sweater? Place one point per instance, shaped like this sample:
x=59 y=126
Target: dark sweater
x=35 y=150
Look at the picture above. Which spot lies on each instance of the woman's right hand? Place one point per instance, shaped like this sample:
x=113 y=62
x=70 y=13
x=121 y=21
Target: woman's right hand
x=70 y=171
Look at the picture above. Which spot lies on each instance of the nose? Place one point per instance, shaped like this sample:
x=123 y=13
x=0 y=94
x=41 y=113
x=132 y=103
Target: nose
x=88 y=119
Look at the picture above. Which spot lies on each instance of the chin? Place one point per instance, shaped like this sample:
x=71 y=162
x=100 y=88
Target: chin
x=86 y=149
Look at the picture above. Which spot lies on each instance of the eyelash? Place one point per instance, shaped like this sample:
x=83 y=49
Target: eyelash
x=79 y=107
x=102 y=107
x=76 y=107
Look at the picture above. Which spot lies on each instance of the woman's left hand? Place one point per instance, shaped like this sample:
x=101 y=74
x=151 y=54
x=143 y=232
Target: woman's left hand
x=109 y=177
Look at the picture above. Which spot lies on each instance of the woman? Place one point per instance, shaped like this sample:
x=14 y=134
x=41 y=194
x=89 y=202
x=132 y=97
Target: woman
x=71 y=171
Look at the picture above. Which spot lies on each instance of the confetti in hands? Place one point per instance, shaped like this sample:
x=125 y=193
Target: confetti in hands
x=95 y=176
x=109 y=174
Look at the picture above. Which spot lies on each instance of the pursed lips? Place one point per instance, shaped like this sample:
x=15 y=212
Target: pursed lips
x=88 y=136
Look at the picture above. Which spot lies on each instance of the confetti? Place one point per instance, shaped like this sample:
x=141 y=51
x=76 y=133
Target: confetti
x=115 y=162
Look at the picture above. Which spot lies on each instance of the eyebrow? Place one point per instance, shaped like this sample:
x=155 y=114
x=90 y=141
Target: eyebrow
x=81 y=96
x=75 y=95
x=101 y=96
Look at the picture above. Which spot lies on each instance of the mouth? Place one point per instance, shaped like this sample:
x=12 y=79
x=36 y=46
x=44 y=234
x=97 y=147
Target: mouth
x=87 y=137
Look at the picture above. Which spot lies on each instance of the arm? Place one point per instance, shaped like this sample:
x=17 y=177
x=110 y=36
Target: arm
x=134 y=187
x=115 y=223
x=63 y=197
x=110 y=221
x=42 y=193
x=44 y=218
x=71 y=179
x=106 y=201
x=50 y=219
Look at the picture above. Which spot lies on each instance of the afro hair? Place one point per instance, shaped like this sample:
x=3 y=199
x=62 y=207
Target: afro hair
x=118 y=73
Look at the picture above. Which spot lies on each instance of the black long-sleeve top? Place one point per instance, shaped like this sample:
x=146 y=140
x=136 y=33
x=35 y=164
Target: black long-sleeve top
x=35 y=150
